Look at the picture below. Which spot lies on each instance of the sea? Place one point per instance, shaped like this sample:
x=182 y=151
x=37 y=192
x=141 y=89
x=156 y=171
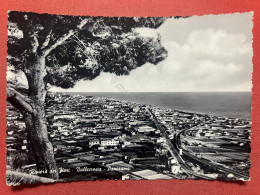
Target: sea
x=226 y=104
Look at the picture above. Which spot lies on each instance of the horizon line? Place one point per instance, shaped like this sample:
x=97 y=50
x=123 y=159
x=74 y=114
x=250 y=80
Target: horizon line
x=147 y=91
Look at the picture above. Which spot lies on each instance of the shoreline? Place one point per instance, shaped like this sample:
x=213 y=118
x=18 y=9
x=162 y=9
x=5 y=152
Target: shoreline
x=106 y=146
x=178 y=110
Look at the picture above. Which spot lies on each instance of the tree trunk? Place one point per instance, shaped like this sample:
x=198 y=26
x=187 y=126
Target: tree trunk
x=36 y=124
x=32 y=107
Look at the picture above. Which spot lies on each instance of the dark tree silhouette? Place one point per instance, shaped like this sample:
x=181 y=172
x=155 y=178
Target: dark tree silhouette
x=60 y=50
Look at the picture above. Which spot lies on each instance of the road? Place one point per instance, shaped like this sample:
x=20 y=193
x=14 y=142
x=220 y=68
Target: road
x=175 y=153
x=209 y=163
x=175 y=147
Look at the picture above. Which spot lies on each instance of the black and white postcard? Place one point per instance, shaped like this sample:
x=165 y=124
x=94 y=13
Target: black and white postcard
x=128 y=98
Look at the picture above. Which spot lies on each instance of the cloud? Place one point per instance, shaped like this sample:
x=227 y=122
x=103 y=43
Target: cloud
x=146 y=32
x=217 y=43
x=207 y=53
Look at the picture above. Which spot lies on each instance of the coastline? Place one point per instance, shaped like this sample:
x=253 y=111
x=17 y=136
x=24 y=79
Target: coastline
x=227 y=107
x=88 y=131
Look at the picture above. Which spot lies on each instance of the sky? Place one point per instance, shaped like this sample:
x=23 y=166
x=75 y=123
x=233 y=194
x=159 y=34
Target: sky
x=205 y=53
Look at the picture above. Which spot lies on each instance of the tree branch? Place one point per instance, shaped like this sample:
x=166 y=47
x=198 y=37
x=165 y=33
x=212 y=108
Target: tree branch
x=18 y=100
x=80 y=41
x=63 y=38
x=34 y=43
x=47 y=40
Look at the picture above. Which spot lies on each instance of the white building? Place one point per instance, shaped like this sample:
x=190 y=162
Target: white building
x=109 y=142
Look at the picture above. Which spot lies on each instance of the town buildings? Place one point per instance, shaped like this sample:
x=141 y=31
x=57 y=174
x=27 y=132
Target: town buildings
x=101 y=138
